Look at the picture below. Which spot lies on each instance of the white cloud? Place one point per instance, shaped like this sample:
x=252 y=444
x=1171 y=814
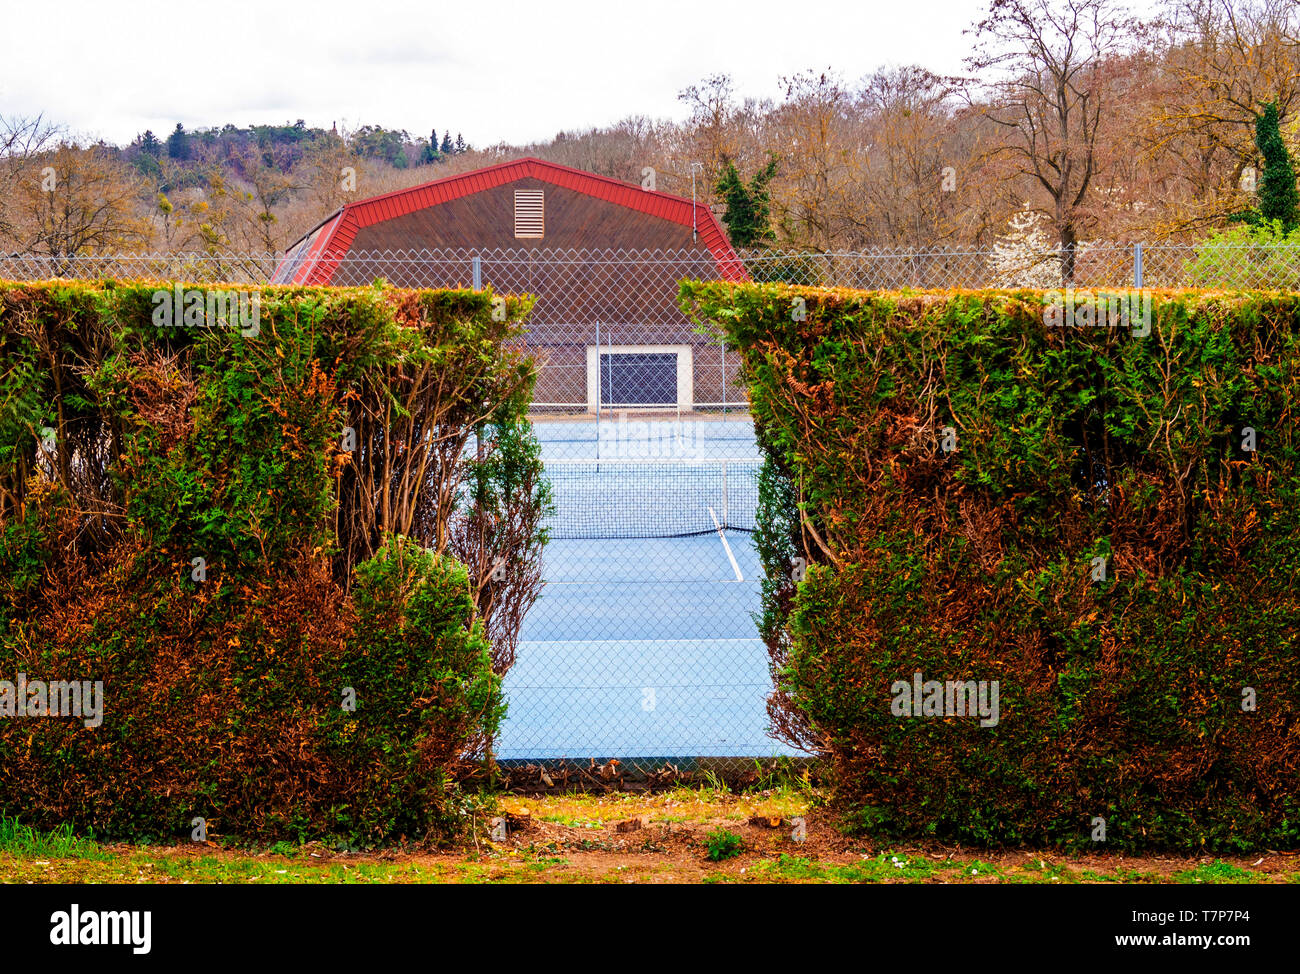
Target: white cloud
x=508 y=71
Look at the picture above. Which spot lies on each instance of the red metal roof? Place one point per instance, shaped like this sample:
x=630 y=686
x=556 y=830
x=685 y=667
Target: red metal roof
x=339 y=230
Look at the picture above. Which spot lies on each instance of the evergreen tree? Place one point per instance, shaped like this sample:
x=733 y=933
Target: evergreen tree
x=1279 y=201
x=748 y=217
x=447 y=148
x=150 y=145
x=377 y=142
x=460 y=144
x=149 y=167
x=178 y=143
x=429 y=151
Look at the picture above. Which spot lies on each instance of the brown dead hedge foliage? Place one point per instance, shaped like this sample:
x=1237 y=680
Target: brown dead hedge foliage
x=1104 y=519
x=239 y=532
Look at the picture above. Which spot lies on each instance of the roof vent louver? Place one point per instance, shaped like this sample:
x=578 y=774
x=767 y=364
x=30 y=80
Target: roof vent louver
x=530 y=213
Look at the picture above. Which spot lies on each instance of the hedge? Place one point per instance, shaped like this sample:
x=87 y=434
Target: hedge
x=1103 y=519
x=240 y=530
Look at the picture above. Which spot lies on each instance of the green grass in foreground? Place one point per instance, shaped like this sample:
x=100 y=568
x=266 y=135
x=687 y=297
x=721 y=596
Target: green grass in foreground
x=690 y=835
x=23 y=840
x=136 y=865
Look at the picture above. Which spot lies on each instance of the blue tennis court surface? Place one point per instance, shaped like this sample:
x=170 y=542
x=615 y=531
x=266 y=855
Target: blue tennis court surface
x=642 y=647
x=643 y=643
x=638 y=698
x=628 y=435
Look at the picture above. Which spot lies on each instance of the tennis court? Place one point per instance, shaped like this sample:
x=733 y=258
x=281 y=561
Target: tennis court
x=643 y=643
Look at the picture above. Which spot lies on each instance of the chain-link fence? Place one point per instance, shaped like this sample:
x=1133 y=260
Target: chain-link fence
x=615 y=284
x=643 y=646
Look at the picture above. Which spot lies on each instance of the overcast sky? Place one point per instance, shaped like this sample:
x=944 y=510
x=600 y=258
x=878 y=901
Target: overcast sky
x=496 y=71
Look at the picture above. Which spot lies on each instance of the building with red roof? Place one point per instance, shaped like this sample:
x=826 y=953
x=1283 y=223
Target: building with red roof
x=602 y=256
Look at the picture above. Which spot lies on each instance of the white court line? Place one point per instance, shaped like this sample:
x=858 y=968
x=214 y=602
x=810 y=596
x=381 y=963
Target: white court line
x=734 y=567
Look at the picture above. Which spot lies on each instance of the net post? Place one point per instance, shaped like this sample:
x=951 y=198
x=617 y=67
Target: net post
x=609 y=344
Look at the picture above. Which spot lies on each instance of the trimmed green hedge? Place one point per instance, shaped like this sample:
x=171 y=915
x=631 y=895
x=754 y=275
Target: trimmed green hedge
x=1099 y=543
x=243 y=534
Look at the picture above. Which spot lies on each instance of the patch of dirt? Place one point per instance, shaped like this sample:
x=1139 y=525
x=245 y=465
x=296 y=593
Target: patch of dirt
x=633 y=843
x=677 y=851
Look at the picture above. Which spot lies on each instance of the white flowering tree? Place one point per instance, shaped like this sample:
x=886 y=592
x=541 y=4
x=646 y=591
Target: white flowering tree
x=1025 y=256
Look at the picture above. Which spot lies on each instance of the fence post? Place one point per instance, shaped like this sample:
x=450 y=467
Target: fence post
x=478 y=273
x=724 y=381
x=600 y=389
x=1137 y=265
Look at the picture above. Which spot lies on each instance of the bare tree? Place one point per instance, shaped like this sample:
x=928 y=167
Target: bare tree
x=261 y=203
x=21 y=138
x=713 y=113
x=910 y=186
x=1051 y=96
x=74 y=201
x=1222 y=59
x=816 y=184
x=328 y=176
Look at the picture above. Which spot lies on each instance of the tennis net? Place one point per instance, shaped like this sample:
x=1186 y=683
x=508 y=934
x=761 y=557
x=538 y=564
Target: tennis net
x=628 y=498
